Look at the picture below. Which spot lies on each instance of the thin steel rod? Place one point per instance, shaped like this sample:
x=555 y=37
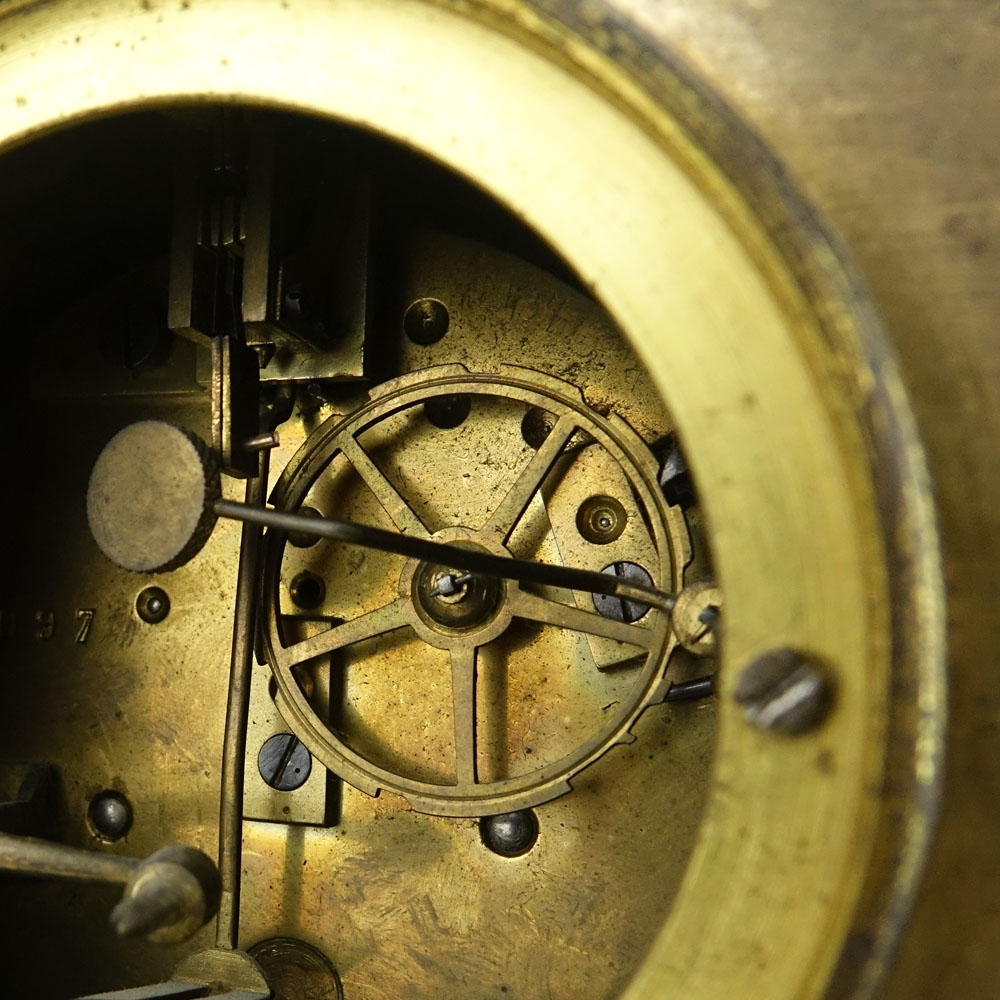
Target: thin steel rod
x=27 y=856
x=452 y=556
x=262 y=442
x=700 y=687
x=235 y=739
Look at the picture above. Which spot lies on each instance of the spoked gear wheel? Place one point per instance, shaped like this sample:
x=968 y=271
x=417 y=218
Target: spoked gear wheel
x=464 y=614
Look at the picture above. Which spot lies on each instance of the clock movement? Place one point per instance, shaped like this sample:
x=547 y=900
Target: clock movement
x=472 y=531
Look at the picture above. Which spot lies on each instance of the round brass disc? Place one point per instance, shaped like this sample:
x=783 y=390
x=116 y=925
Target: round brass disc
x=149 y=503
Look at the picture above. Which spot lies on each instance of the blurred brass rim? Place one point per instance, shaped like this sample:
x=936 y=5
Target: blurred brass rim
x=766 y=352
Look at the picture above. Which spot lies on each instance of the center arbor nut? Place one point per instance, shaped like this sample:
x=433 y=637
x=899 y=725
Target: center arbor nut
x=601 y=519
x=454 y=601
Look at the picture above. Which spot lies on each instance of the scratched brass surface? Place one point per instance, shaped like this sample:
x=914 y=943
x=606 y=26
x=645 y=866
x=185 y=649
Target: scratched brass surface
x=139 y=707
x=465 y=915
x=772 y=366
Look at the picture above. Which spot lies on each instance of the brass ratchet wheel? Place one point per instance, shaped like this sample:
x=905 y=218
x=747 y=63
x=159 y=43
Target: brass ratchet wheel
x=466 y=617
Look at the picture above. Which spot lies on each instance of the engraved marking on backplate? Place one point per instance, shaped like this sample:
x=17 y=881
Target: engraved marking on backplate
x=85 y=618
x=45 y=623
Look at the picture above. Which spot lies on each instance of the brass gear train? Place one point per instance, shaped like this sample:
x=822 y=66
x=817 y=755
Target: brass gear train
x=573 y=427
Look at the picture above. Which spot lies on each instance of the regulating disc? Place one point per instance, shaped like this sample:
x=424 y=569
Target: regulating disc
x=149 y=503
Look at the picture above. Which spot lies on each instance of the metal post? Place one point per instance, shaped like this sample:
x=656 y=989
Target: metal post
x=234 y=744
x=27 y=856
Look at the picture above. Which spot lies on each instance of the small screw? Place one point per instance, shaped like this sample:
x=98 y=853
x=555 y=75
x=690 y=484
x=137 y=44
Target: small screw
x=601 y=519
x=110 y=815
x=426 y=321
x=785 y=691
x=618 y=608
x=284 y=763
x=536 y=426
x=315 y=395
x=510 y=834
x=152 y=605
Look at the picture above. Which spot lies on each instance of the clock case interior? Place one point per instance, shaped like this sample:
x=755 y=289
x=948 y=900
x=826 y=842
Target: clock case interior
x=98 y=698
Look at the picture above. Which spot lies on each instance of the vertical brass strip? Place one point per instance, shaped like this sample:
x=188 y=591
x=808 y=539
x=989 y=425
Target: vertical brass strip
x=235 y=740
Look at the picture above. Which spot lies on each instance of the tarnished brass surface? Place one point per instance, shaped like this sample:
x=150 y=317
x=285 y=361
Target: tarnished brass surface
x=783 y=389
x=465 y=913
x=606 y=841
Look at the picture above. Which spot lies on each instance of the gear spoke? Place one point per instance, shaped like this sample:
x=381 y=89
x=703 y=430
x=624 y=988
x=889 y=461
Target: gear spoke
x=388 y=618
x=387 y=495
x=531 y=607
x=531 y=477
x=463 y=689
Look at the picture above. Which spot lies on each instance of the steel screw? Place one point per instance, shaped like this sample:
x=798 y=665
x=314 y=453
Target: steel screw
x=110 y=815
x=510 y=834
x=536 y=425
x=617 y=608
x=785 y=691
x=152 y=605
x=284 y=763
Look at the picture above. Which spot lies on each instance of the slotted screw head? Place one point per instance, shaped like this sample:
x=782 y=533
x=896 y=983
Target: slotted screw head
x=785 y=691
x=284 y=763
